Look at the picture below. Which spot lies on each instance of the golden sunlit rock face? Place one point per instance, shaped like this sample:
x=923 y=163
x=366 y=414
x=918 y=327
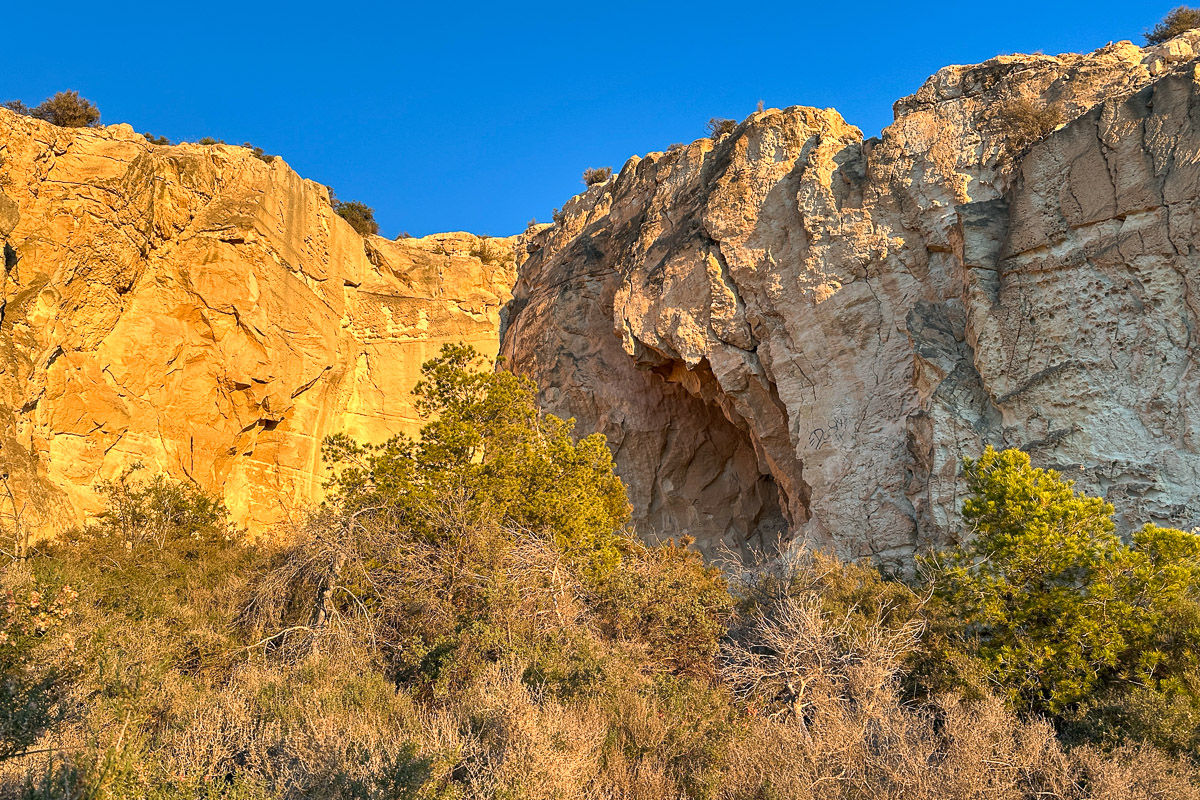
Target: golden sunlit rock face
x=207 y=314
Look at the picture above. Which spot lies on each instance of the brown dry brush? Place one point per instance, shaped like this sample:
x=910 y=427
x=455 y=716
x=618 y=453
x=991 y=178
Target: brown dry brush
x=322 y=701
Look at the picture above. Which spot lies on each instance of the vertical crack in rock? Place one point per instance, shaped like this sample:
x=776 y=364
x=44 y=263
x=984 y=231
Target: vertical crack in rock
x=762 y=279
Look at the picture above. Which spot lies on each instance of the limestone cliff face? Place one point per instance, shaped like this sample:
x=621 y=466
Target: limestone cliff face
x=789 y=331
x=207 y=314
x=793 y=329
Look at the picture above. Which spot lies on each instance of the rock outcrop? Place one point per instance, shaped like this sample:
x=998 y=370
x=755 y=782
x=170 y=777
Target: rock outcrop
x=785 y=332
x=206 y=313
x=793 y=330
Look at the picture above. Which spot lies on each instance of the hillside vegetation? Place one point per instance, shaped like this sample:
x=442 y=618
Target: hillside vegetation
x=469 y=617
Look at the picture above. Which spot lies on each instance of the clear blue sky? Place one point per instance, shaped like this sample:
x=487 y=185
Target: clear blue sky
x=452 y=116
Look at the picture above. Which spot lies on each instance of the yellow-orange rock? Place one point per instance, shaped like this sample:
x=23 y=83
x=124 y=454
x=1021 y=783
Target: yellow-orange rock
x=206 y=313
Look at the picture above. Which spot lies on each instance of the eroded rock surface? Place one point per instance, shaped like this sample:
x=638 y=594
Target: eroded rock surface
x=205 y=313
x=791 y=329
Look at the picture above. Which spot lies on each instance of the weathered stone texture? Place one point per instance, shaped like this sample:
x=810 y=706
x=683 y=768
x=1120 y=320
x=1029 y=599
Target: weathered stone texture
x=793 y=329
x=207 y=314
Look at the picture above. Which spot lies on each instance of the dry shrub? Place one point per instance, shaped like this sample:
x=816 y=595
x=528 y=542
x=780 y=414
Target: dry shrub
x=491 y=252
x=596 y=176
x=521 y=742
x=1178 y=20
x=821 y=680
x=1022 y=121
x=721 y=126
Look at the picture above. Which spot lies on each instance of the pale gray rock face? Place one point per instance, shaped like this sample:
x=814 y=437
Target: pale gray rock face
x=794 y=332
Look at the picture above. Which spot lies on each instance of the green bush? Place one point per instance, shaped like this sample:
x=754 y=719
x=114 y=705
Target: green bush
x=666 y=598
x=1178 y=20
x=1055 y=606
x=160 y=140
x=65 y=109
x=259 y=153
x=68 y=110
x=157 y=511
x=32 y=617
x=490 y=252
x=597 y=176
x=360 y=216
x=487 y=443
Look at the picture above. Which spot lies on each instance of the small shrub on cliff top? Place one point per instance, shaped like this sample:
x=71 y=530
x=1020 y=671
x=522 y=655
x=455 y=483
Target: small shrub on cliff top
x=68 y=110
x=65 y=109
x=258 y=152
x=593 y=177
x=720 y=126
x=152 y=139
x=360 y=215
x=1178 y=20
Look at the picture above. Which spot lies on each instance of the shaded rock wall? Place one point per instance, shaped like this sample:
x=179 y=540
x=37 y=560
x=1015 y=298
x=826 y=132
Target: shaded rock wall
x=793 y=329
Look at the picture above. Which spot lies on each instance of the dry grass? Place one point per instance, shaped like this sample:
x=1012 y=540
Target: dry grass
x=808 y=703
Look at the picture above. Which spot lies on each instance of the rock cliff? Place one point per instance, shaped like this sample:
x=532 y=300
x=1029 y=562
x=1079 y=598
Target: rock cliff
x=206 y=313
x=787 y=331
x=791 y=329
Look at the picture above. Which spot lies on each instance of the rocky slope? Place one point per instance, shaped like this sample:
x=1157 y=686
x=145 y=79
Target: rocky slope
x=794 y=329
x=205 y=313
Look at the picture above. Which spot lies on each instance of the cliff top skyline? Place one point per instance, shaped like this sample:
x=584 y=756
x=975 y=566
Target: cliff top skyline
x=448 y=117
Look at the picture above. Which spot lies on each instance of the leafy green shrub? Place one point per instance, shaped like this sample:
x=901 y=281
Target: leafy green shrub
x=666 y=598
x=360 y=216
x=1054 y=604
x=1178 y=20
x=720 y=126
x=68 y=110
x=65 y=109
x=159 y=511
x=152 y=139
x=208 y=140
x=597 y=176
x=488 y=442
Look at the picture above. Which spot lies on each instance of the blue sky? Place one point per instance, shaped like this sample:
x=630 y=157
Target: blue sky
x=462 y=116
